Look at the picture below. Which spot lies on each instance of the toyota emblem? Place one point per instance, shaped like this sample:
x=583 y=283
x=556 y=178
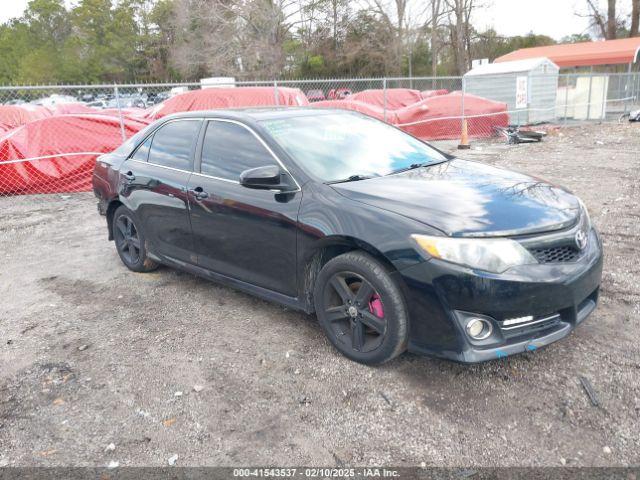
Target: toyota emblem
x=581 y=239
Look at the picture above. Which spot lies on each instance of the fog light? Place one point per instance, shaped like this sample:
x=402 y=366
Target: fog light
x=479 y=329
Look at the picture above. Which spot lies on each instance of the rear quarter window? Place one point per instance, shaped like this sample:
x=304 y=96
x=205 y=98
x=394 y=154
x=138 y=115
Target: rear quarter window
x=173 y=143
x=142 y=152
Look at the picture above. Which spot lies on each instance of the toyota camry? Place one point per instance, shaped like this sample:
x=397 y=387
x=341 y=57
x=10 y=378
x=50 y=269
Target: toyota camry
x=393 y=244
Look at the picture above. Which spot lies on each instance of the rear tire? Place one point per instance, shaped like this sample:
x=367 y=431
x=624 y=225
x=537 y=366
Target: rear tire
x=130 y=241
x=361 y=308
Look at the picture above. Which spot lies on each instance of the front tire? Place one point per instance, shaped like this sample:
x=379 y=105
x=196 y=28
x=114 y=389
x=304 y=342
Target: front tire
x=130 y=241
x=361 y=308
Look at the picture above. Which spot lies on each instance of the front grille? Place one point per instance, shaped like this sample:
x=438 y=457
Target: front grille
x=565 y=253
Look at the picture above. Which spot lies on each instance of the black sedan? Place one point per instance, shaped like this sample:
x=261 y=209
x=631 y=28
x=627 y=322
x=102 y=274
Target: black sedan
x=393 y=244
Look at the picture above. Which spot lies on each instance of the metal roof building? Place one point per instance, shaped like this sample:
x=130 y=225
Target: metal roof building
x=583 y=54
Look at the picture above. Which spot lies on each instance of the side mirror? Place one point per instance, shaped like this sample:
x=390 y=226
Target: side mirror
x=269 y=177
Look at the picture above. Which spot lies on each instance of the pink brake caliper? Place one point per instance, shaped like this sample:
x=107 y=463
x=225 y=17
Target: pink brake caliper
x=375 y=306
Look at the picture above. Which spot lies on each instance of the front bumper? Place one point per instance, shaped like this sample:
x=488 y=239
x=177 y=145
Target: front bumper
x=560 y=295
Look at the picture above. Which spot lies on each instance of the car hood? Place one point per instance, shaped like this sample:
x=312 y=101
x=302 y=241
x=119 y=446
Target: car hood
x=465 y=198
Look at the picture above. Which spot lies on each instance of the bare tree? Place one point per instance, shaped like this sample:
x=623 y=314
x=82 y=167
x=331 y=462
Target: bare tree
x=242 y=37
x=401 y=18
x=336 y=10
x=606 y=25
x=597 y=19
x=393 y=15
x=436 y=14
x=460 y=32
x=611 y=19
x=206 y=39
x=635 y=18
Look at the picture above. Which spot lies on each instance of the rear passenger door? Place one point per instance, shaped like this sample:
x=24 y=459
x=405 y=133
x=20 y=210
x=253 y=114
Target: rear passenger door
x=155 y=179
x=243 y=233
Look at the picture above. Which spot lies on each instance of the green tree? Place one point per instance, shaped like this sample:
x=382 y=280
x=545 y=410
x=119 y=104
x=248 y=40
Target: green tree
x=39 y=37
x=576 y=38
x=159 y=32
x=105 y=40
x=14 y=45
x=489 y=44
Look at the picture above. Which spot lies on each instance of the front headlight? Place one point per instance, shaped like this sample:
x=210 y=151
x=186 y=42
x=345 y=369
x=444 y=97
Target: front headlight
x=585 y=218
x=491 y=254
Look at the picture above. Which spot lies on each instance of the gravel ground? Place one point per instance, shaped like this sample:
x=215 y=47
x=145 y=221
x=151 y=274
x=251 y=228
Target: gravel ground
x=99 y=364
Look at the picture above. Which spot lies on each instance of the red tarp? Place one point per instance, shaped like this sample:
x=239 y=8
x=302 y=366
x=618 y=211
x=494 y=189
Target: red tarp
x=132 y=112
x=28 y=131
x=217 y=98
x=12 y=116
x=396 y=97
x=72 y=108
x=433 y=93
x=367 y=109
x=54 y=136
x=436 y=117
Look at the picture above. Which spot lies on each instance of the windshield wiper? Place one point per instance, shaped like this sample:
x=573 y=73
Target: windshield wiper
x=413 y=166
x=352 y=178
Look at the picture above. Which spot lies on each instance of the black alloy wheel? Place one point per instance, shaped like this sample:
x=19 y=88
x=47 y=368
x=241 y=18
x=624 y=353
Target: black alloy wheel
x=127 y=239
x=361 y=308
x=130 y=241
x=351 y=303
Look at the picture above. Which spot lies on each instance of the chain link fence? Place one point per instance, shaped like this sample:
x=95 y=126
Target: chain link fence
x=50 y=136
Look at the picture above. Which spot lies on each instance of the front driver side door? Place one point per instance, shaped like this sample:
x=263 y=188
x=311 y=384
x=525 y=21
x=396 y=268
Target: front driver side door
x=242 y=233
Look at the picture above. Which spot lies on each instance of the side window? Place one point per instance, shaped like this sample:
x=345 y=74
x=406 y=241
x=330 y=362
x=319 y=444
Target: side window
x=229 y=149
x=172 y=143
x=142 y=152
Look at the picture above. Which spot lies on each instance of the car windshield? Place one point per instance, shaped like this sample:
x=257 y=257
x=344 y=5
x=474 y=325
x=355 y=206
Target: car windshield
x=345 y=146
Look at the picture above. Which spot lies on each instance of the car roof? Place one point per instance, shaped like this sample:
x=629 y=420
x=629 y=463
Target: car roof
x=256 y=113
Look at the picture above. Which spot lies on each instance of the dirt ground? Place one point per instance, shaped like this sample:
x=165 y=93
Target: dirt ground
x=101 y=365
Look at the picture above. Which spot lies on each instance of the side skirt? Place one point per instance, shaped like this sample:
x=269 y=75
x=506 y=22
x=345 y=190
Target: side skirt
x=264 y=293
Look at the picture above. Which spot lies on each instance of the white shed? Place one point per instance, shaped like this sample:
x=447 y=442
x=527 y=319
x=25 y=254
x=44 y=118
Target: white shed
x=528 y=87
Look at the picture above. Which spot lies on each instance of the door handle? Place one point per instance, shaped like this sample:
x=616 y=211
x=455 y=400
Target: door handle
x=199 y=193
x=129 y=176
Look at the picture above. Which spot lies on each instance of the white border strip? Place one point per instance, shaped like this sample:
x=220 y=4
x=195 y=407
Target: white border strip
x=48 y=157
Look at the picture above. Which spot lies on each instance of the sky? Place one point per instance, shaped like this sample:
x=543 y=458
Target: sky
x=11 y=9
x=555 y=18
